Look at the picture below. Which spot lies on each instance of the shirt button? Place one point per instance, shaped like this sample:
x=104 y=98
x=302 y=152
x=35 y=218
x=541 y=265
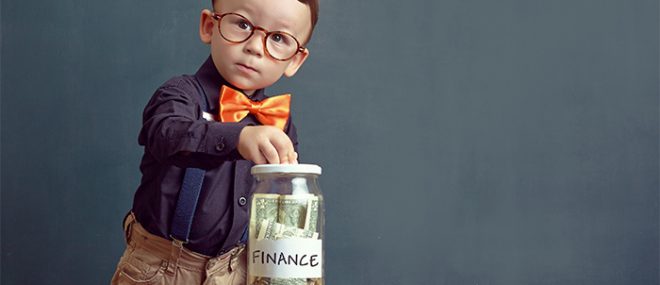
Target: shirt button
x=220 y=146
x=242 y=201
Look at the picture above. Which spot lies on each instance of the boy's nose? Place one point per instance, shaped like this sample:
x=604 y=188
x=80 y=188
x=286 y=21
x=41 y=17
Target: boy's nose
x=254 y=45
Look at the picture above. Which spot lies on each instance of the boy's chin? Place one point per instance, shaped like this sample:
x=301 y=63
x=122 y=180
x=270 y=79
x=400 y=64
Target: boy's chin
x=246 y=86
x=241 y=85
x=247 y=89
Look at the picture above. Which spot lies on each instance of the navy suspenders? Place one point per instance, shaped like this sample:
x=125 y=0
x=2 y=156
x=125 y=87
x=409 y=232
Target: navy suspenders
x=187 y=201
x=188 y=195
x=186 y=204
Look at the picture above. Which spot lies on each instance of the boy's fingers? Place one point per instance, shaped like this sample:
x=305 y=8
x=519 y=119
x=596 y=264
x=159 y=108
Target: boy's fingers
x=284 y=148
x=256 y=156
x=284 y=157
x=293 y=157
x=259 y=159
x=270 y=153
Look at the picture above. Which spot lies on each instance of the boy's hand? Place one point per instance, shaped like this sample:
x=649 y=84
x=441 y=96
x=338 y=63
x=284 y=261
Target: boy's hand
x=266 y=144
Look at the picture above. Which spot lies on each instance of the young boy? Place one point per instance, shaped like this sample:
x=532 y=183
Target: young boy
x=209 y=129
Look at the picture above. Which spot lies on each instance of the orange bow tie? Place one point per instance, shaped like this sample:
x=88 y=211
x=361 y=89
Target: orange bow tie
x=273 y=111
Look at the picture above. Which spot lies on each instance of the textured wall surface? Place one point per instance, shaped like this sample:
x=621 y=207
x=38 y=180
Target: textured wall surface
x=463 y=142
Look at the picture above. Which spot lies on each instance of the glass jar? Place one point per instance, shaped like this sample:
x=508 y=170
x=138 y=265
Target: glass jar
x=285 y=244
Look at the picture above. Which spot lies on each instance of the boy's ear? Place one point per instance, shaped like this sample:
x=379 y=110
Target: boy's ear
x=206 y=26
x=296 y=62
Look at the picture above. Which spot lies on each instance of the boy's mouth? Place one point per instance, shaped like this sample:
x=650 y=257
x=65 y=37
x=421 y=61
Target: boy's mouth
x=246 y=68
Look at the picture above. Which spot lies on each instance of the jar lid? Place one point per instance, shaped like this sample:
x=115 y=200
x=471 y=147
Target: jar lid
x=286 y=168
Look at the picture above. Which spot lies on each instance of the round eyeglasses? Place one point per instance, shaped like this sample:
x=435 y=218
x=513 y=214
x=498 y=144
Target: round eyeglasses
x=237 y=29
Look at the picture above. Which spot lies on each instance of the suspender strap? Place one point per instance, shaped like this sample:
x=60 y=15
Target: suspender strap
x=244 y=238
x=188 y=195
x=186 y=204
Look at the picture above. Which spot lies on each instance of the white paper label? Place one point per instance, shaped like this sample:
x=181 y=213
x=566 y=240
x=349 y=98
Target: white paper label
x=286 y=258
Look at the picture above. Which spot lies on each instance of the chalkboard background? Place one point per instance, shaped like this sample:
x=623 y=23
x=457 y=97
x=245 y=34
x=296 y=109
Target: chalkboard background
x=462 y=142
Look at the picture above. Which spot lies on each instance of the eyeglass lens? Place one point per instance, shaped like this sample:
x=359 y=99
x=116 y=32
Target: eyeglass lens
x=236 y=28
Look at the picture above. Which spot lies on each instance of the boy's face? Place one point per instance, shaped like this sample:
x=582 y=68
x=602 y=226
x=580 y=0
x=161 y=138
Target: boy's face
x=246 y=65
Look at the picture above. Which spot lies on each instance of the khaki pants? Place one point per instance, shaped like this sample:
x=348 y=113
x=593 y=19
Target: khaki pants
x=150 y=259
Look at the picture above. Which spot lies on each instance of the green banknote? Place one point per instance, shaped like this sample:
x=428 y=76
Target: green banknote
x=264 y=208
x=312 y=214
x=288 y=281
x=274 y=231
x=293 y=209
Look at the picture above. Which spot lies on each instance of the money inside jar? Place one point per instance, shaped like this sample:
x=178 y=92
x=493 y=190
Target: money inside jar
x=285 y=232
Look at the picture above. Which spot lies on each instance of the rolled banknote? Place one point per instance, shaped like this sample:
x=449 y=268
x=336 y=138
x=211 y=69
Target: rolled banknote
x=264 y=207
x=312 y=214
x=293 y=209
x=274 y=231
x=288 y=281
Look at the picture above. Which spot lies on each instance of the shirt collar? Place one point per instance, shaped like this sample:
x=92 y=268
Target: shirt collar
x=211 y=81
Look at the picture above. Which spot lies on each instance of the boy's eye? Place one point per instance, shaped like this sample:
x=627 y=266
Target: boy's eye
x=240 y=24
x=244 y=25
x=279 y=38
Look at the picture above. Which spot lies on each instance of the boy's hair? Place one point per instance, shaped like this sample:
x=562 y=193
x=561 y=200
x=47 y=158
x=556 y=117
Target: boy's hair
x=313 y=7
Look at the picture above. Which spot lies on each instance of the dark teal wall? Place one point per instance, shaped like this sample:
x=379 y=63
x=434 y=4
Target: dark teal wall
x=463 y=142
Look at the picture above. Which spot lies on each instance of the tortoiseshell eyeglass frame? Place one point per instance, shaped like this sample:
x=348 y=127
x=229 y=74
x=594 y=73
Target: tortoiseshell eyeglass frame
x=299 y=48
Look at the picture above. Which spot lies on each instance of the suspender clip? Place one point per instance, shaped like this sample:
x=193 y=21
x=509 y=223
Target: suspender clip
x=178 y=242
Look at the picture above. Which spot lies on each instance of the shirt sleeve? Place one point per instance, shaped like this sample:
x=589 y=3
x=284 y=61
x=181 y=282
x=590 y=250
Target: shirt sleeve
x=173 y=131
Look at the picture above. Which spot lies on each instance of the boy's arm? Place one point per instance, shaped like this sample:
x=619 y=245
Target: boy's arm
x=172 y=131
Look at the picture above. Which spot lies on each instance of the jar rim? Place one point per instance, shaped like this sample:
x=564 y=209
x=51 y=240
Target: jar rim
x=286 y=168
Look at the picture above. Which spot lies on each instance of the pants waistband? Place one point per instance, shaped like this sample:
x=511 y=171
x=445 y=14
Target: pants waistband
x=173 y=252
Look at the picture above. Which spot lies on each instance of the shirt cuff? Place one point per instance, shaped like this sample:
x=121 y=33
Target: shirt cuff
x=222 y=139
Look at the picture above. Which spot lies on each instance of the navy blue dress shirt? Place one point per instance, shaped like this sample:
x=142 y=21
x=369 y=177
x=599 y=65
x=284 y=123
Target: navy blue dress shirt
x=175 y=136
